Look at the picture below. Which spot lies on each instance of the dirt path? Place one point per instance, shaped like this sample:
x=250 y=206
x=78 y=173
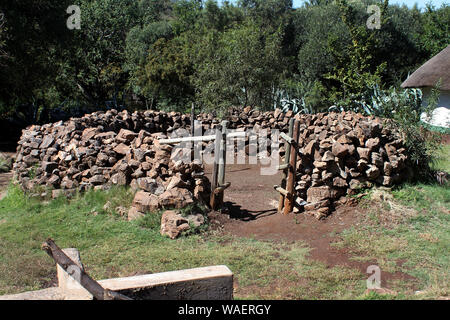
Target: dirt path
x=251 y=201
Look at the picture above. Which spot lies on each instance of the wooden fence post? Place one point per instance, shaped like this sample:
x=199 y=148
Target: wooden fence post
x=222 y=162
x=289 y=199
x=287 y=147
x=215 y=173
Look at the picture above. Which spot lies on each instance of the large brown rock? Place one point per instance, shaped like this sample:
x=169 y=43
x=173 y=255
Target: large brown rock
x=150 y=185
x=176 y=198
x=316 y=194
x=373 y=143
x=145 y=201
x=47 y=142
x=122 y=149
x=373 y=172
x=317 y=205
x=310 y=147
x=363 y=153
x=173 y=224
x=134 y=214
x=125 y=135
x=339 y=150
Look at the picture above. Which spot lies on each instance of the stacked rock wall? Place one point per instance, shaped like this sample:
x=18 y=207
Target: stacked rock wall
x=341 y=152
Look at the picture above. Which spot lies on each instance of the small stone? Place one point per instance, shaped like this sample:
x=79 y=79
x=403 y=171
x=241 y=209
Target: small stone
x=173 y=224
x=126 y=135
x=339 y=150
x=145 y=201
x=134 y=214
x=122 y=149
x=339 y=182
x=363 y=153
x=328 y=156
x=316 y=194
x=373 y=172
x=373 y=143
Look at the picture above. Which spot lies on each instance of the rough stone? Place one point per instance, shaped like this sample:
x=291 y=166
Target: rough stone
x=316 y=194
x=145 y=201
x=173 y=224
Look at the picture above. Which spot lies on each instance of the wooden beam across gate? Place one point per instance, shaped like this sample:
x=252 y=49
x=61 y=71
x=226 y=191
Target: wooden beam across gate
x=201 y=138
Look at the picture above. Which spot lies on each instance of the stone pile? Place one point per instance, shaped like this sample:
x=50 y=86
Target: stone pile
x=343 y=153
x=73 y=156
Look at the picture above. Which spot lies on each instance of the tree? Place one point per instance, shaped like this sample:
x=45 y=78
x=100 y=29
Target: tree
x=436 y=35
x=356 y=73
x=241 y=67
x=166 y=73
x=30 y=41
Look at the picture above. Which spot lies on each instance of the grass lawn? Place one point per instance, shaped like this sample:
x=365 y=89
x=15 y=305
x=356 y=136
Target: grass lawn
x=443 y=159
x=409 y=232
x=113 y=247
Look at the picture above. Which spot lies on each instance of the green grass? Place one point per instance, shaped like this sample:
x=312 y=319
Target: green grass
x=421 y=241
x=110 y=246
x=442 y=161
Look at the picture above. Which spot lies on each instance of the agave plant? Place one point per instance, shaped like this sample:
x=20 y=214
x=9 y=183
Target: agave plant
x=286 y=102
x=386 y=102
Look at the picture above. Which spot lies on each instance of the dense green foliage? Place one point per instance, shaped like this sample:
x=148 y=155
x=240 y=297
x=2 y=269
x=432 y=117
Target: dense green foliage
x=167 y=54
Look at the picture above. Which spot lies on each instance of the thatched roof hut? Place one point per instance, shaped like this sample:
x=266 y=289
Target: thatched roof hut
x=435 y=69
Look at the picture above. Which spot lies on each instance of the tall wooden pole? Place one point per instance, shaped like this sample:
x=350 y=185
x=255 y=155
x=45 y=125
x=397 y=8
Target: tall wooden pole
x=222 y=161
x=289 y=200
x=215 y=173
x=287 y=154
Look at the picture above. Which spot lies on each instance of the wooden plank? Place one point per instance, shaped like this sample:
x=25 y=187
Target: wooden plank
x=82 y=277
x=205 y=283
x=286 y=137
x=290 y=183
x=286 y=163
x=281 y=190
x=283 y=166
x=187 y=139
x=200 y=138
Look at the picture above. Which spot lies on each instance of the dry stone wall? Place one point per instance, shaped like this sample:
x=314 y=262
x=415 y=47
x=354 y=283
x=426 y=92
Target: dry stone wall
x=341 y=153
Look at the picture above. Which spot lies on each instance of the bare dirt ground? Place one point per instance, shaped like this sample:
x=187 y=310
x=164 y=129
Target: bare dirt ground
x=251 y=202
